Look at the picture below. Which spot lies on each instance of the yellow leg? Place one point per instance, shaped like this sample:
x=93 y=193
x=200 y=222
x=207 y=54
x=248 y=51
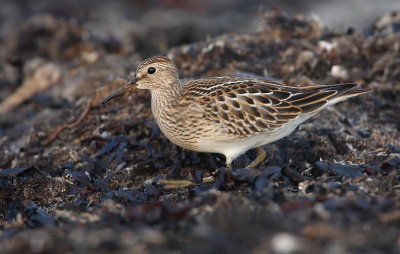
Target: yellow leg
x=229 y=166
x=260 y=157
x=176 y=184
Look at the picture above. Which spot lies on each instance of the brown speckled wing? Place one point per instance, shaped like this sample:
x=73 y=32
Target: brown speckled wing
x=245 y=107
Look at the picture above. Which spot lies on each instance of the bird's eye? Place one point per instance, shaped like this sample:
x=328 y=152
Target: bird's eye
x=151 y=70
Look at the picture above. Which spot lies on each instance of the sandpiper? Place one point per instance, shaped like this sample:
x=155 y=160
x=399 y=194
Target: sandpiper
x=228 y=115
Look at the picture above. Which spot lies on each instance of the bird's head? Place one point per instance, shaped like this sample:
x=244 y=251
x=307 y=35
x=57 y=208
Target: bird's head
x=157 y=74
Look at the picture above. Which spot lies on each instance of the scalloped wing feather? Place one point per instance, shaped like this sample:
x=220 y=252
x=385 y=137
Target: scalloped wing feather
x=245 y=107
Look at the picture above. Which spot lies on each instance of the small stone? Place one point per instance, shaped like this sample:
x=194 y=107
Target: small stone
x=339 y=71
x=285 y=243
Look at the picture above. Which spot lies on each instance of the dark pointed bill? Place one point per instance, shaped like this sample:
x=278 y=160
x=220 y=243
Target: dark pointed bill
x=129 y=86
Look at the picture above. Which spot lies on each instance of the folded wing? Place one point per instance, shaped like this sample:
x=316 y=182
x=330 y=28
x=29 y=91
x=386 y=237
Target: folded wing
x=245 y=107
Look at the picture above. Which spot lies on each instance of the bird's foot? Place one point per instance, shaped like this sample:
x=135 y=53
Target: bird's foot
x=260 y=157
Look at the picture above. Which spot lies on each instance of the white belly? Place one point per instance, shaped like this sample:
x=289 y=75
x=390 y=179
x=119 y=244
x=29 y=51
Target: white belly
x=235 y=147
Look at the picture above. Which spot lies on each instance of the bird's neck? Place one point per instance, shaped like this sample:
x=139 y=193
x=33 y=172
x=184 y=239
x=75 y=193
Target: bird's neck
x=162 y=100
x=170 y=92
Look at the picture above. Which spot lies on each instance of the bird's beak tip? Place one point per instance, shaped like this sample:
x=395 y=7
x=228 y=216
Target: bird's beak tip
x=129 y=86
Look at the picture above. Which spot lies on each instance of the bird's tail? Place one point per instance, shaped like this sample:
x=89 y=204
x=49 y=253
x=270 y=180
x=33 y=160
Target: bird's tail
x=343 y=92
x=314 y=98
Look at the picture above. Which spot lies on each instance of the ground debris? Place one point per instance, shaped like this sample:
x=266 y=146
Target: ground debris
x=93 y=183
x=340 y=169
x=43 y=77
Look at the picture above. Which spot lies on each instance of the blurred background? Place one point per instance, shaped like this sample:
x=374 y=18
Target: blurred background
x=190 y=20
